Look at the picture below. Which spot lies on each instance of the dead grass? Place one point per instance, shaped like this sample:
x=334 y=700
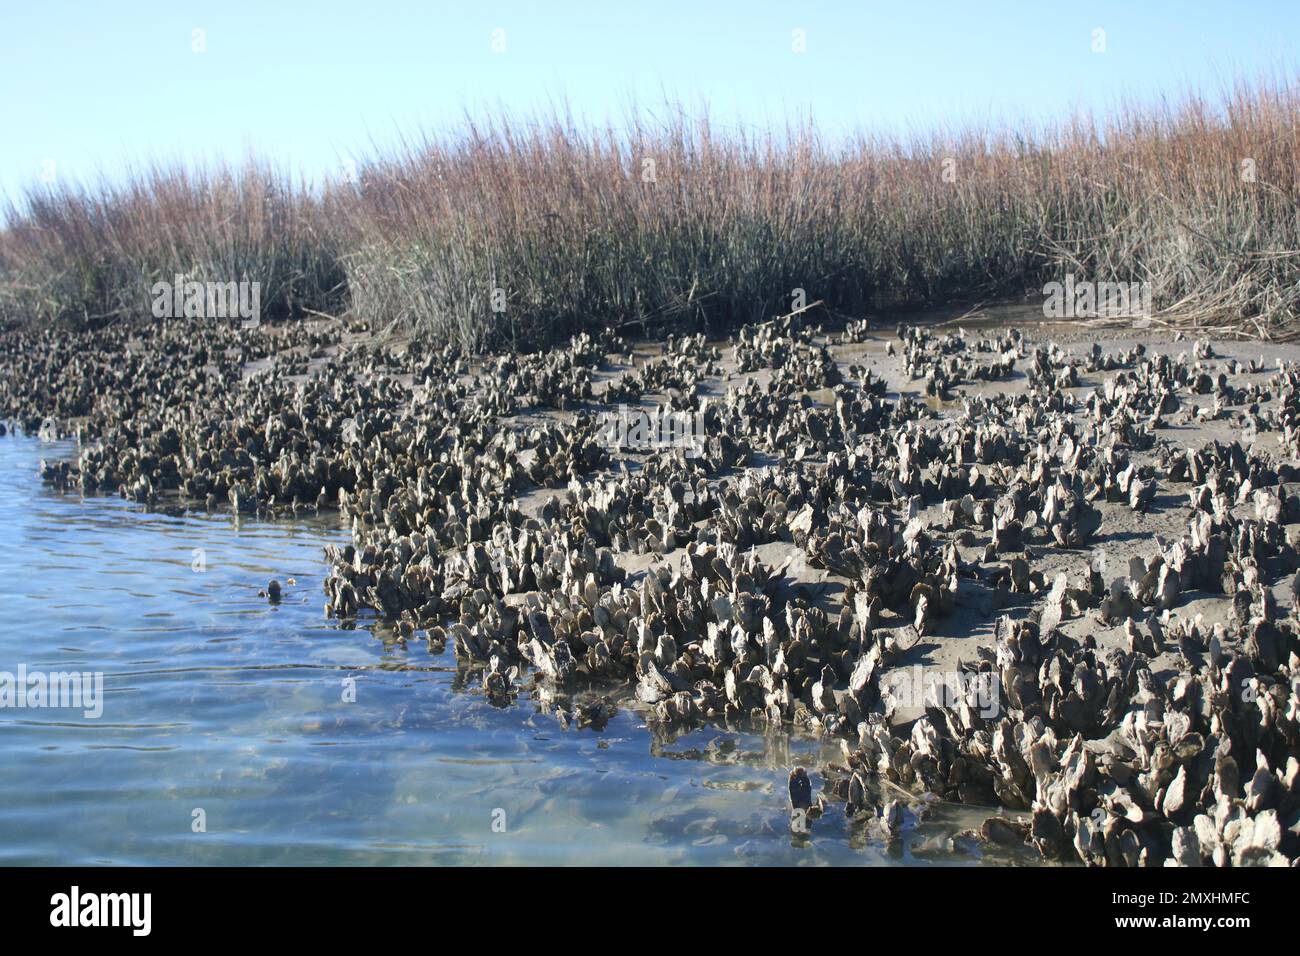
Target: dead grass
x=520 y=232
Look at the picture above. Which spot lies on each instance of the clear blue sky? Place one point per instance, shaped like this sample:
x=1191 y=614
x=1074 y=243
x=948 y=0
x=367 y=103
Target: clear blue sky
x=94 y=85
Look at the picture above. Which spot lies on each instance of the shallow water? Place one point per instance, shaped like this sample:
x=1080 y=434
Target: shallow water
x=221 y=709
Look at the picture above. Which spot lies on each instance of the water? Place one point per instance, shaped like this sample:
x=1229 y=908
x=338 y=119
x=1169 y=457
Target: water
x=225 y=737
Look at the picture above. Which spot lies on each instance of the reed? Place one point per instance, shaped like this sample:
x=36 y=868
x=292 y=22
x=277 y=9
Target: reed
x=509 y=232
x=91 y=255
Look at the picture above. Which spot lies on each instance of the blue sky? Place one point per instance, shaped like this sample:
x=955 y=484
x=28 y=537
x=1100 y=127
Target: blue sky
x=91 y=87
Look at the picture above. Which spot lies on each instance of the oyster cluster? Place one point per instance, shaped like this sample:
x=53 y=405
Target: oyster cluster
x=946 y=361
x=1114 y=762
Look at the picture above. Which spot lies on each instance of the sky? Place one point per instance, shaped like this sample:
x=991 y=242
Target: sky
x=89 y=89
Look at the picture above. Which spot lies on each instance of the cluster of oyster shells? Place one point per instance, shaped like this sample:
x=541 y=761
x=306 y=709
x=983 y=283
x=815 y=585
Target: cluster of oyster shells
x=827 y=530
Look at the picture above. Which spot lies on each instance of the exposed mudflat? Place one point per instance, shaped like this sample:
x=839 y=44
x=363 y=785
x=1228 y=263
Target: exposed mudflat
x=1092 y=538
x=1124 y=533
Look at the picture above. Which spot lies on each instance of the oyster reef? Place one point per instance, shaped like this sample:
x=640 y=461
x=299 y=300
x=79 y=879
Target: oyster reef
x=1047 y=579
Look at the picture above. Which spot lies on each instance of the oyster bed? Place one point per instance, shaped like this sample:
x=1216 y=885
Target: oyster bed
x=1104 y=536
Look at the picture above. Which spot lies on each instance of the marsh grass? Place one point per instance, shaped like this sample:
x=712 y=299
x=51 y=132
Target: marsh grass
x=88 y=256
x=510 y=232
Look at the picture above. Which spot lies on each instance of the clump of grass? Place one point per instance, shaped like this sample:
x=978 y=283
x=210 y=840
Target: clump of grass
x=1198 y=200
x=90 y=256
x=509 y=232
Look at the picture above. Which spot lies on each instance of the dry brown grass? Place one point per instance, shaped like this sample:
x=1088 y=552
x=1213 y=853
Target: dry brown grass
x=568 y=226
x=88 y=256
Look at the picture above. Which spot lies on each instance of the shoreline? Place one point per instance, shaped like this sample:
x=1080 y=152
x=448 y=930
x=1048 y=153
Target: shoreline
x=836 y=530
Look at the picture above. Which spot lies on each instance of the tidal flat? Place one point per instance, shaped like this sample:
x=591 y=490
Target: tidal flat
x=500 y=635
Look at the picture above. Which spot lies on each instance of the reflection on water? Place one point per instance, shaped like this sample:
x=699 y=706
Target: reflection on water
x=223 y=710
